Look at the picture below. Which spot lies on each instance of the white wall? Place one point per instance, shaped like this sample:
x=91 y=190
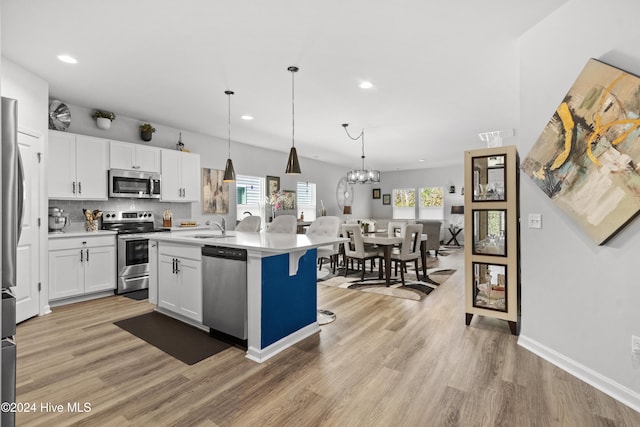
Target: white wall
x=580 y=301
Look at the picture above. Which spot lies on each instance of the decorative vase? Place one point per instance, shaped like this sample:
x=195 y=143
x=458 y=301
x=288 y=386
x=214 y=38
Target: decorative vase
x=103 y=123
x=146 y=136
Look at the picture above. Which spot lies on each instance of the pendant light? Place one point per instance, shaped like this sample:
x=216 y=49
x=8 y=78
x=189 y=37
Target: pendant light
x=293 y=166
x=229 y=172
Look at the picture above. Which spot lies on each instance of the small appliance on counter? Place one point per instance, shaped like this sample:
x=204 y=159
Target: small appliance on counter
x=57 y=220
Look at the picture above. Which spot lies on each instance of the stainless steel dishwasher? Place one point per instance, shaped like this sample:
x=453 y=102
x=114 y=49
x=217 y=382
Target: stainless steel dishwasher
x=224 y=291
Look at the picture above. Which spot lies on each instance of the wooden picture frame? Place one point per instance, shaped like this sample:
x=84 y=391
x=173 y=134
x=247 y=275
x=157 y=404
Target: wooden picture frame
x=376 y=193
x=386 y=199
x=273 y=185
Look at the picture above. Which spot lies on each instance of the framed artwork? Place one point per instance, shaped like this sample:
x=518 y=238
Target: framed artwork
x=215 y=192
x=585 y=158
x=386 y=199
x=288 y=199
x=376 y=193
x=273 y=185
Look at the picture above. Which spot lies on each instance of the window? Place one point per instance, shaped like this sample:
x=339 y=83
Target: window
x=431 y=203
x=249 y=197
x=306 y=192
x=404 y=203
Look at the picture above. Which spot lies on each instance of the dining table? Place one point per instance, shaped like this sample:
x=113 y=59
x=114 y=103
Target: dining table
x=387 y=242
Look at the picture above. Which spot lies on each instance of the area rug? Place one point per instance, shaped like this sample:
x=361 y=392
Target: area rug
x=184 y=342
x=412 y=289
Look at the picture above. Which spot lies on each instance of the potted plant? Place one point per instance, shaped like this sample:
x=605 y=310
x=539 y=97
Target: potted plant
x=103 y=118
x=146 y=131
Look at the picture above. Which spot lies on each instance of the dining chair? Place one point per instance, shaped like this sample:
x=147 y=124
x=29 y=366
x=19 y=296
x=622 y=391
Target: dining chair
x=326 y=226
x=355 y=249
x=249 y=223
x=283 y=224
x=409 y=248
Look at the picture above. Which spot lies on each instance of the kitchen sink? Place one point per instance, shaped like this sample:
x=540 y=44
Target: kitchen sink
x=208 y=236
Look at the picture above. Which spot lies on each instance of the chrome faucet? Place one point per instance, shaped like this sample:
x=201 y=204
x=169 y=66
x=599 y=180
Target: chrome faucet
x=221 y=226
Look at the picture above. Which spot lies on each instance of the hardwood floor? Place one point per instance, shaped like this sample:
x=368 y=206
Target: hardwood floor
x=383 y=362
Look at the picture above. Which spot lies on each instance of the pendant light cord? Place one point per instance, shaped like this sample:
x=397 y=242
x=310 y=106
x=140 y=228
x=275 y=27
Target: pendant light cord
x=361 y=136
x=229 y=93
x=293 y=107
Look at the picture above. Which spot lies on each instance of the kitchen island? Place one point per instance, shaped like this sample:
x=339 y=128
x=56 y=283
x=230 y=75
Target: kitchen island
x=281 y=284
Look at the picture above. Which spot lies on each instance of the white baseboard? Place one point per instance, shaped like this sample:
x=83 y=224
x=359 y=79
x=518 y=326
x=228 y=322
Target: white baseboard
x=80 y=298
x=617 y=391
x=262 y=355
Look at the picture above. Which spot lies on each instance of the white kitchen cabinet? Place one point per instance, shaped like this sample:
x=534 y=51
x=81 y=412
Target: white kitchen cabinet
x=180 y=176
x=135 y=157
x=81 y=265
x=180 y=280
x=77 y=166
x=153 y=272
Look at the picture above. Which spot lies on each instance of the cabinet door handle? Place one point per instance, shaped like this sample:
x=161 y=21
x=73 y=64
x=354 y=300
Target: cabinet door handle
x=174 y=266
x=74 y=187
x=136 y=167
x=81 y=255
x=79 y=187
x=87 y=255
x=177 y=266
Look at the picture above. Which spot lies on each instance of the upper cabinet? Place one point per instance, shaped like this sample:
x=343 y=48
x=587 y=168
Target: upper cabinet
x=180 y=176
x=136 y=157
x=78 y=166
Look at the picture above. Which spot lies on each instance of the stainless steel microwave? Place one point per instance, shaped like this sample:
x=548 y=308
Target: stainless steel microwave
x=134 y=184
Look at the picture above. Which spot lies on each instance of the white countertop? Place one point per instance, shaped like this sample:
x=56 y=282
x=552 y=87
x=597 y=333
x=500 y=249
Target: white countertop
x=262 y=241
x=80 y=233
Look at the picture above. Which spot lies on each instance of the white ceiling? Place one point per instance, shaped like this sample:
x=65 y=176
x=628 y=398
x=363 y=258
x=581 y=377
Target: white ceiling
x=443 y=71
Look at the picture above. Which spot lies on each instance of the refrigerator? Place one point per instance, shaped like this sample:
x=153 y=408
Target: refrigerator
x=12 y=206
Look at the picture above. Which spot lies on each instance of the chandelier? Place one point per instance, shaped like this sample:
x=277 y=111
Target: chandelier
x=361 y=176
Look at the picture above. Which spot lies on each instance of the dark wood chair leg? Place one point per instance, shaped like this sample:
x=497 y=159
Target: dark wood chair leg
x=363 y=269
x=320 y=263
x=402 y=268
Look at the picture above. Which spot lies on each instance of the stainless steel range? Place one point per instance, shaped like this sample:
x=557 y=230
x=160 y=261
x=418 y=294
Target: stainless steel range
x=133 y=247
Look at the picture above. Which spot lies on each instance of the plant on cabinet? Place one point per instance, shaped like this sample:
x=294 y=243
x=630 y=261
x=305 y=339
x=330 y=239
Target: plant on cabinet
x=103 y=118
x=146 y=131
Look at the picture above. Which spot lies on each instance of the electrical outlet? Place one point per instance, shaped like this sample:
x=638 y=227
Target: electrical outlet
x=535 y=220
x=635 y=344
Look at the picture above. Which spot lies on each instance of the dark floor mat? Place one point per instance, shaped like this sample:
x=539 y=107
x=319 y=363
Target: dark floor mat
x=184 y=342
x=140 y=295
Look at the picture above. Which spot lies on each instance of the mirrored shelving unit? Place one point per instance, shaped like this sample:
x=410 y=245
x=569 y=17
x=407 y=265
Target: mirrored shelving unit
x=492 y=259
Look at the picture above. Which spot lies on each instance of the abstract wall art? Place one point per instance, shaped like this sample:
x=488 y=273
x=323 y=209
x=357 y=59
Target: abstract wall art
x=587 y=158
x=215 y=192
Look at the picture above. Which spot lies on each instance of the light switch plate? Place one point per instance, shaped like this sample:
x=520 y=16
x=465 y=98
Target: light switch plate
x=535 y=220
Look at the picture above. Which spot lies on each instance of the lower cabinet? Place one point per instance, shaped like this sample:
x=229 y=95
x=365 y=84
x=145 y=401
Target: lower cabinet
x=81 y=265
x=180 y=279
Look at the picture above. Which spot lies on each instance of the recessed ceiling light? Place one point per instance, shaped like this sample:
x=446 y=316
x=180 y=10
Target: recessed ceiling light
x=421 y=160
x=366 y=85
x=68 y=59
x=246 y=117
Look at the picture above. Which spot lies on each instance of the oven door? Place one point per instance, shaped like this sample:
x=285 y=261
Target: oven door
x=133 y=256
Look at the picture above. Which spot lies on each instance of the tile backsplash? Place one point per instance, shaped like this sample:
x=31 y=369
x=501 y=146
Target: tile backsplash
x=73 y=208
